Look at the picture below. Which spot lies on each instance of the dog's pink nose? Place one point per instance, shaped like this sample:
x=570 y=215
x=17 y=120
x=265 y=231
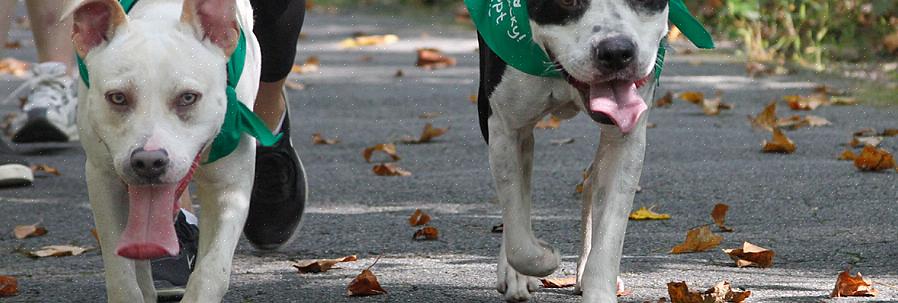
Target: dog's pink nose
x=614 y=54
x=149 y=164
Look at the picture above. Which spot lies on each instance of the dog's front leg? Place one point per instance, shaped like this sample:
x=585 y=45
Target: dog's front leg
x=127 y=281
x=224 y=191
x=523 y=255
x=613 y=183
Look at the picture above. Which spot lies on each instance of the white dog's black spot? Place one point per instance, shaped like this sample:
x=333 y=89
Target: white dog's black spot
x=648 y=7
x=556 y=12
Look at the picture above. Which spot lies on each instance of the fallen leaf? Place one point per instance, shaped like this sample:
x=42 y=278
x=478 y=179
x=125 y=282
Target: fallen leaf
x=692 y=97
x=365 y=284
x=647 y=214
x=390 y=170
x=9 y=286
x=431 y=58
x=584 y=175
x=551 y=122
x=426 y=233
x=25 y=231
x=563 y=282
x=827 y=90
x=779 y=144
x=46 y=169
x=721 y=292
x=889 y=132
x=13 y=44
x=498 y=229
x=366 y=40
x=865 y=132
x=874 y=159
x=321 y=265
x=427 y=135
x=697 y=240
x=865 y=141
x=796 y=122
x=843 y=101
x=719 y=214
x=665 y=100
x=766 y=119
x=418 y=218
x=399 y=73
x=847 y=155
x=318 y=139
x=387 y=148
x=93 y=231
x=58 y=251
x=429 y=115
x=473 y=99
x=853 y=286
x=15 y=67
x=311 y=65
x=562 y=141
x=805 y=103
x=712 y=107
x=751 y=255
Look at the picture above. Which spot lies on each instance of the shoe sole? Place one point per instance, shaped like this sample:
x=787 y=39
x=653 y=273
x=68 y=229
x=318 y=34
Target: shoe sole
x=15 y=175
x=305 y=181
x=39 y=130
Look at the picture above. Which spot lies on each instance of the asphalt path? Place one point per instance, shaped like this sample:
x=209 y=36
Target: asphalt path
x=820 y=215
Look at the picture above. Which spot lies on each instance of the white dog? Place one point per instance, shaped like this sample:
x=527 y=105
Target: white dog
x=605 y=51
x=155 y=102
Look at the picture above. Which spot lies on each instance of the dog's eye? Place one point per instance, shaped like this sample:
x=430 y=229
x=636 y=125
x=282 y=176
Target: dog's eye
x=188 y=99
x=569 y=3
x=117 y=98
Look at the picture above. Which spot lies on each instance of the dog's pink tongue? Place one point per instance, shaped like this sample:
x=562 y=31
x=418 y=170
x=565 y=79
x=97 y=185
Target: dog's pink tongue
x=150 y=232
x=618 y=100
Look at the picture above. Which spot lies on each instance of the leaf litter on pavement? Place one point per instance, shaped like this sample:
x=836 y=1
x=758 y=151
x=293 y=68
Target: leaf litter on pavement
x=750 y=255
x=698 y=239
x=26 y=231
x=365 y=284
x=644 y=213
x=853 y=286
x=431 y=58
x=319 y=139
x=418 y=218
x=718 y=215
x=427 y=135
x=720 y=293
x=9 y=286
x=58 y=251
x=320 y=265
x=387 y=148
x=390 y=170
x=778 y=144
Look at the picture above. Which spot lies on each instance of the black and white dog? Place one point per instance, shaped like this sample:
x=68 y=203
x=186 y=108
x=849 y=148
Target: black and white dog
x=606 y=50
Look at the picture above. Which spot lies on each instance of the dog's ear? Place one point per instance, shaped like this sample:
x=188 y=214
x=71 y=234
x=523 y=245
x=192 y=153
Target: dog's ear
x=215 y=20
x=95 y=22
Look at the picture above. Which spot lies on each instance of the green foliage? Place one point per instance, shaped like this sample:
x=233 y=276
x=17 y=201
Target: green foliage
x=810 y=32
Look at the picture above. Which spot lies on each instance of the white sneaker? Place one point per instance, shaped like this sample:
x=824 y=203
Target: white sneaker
x=14 y=170
x=50 y=109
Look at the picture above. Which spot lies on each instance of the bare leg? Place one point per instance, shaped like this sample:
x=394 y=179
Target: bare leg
x=270 y=103
x=51 y=36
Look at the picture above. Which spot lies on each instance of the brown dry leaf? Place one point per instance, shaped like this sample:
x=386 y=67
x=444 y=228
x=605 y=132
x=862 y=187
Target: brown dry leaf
x=644 y=213
x=562 y=141
x=373 y=40
x=692 y=97
x=322 y=265
x=665 y=100
x=847 y=155
x=93 y=231
x=766 y=120
x=843 y=101
x=874 y=159
x=13 y=44
x=865 y=141
x=9 y=286
x=365 y=284
x=779 y=144
x=387 y=148
x=15 y=67
x=563 y=282
x=551 y=122
x=585 y=177
x=418 y=218
x=431 y=58
x=865 y=132
x=319 y=139
x=429 y=115
x=796 y=122
x=805 y=103
x=697 y=240
x=426 y=233
x=719 y=214
x=713 y=106
x=58 y=251
x=46 y=169
x=25 y=231
x=473 y=99
x=390 y=170
x=853 y=286
x=311 y=65
x=751 y=255
x=889 y=132
x=427 y=135
x=721 y=292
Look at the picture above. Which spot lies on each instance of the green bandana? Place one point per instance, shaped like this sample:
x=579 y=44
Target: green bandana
x=505 y=27
x=238 y=119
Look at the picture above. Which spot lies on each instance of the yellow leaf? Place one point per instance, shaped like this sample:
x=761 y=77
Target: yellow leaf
x=647 y=214
x=779 y=144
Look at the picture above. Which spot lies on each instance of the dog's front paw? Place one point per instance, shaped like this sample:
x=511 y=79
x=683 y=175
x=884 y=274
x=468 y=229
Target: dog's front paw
x=538 y=260
x=515 y=286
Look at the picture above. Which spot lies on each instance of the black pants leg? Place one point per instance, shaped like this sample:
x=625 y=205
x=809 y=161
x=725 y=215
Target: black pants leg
x=278 y=23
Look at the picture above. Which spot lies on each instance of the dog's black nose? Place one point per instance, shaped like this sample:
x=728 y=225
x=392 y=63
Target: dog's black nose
x=149 y=164
x=614 y=54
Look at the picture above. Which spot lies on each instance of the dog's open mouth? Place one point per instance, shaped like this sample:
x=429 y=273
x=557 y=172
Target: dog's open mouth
x=150 y=231
x=617 y=100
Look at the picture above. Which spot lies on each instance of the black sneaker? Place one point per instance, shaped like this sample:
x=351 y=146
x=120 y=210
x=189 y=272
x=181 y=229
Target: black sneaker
x=14 y=170
x=279 y=194
x=170 y=274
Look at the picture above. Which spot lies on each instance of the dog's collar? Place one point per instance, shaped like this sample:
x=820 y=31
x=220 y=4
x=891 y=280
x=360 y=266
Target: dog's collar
x=504 y=25
x=238 y=118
